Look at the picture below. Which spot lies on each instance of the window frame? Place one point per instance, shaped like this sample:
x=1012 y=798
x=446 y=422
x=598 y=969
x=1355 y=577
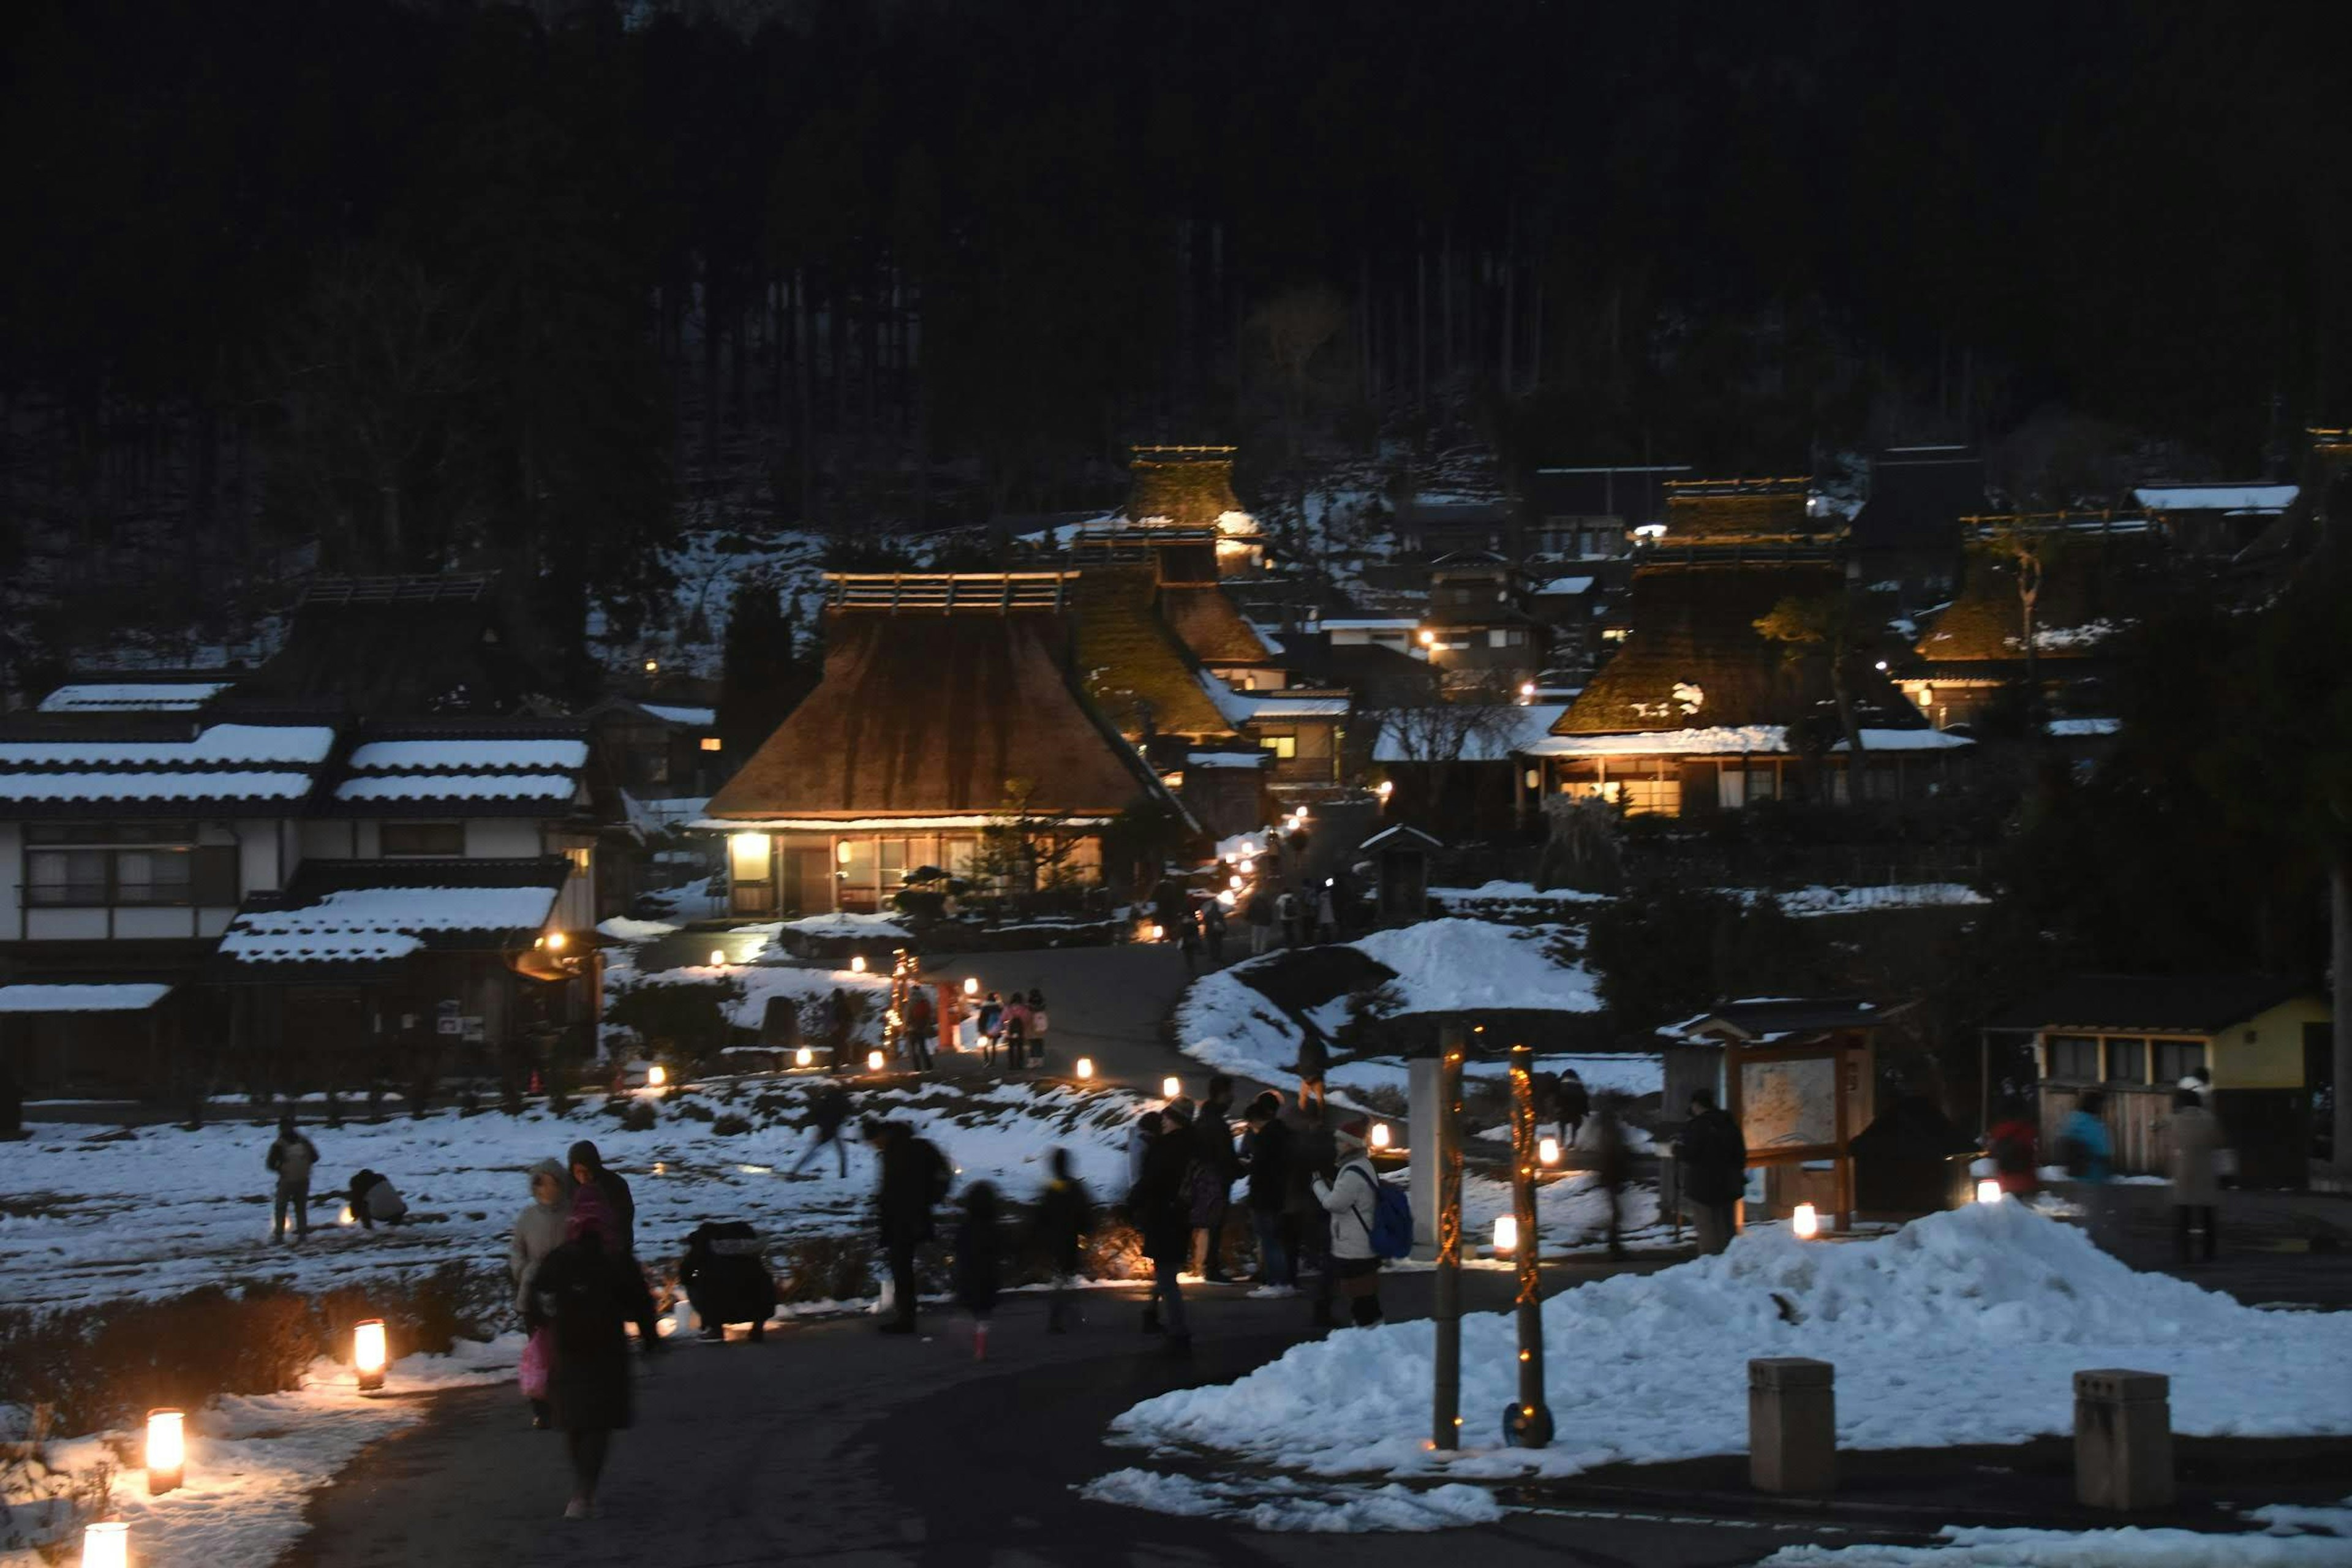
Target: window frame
x=172 y=845
x=386 y=829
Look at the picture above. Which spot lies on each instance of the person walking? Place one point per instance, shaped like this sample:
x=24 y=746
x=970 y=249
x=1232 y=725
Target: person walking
x=1352 y=1198
x=921 y=1020
x=1314 y=1061
x=1259 y=914
x=1613 y=1167
x=1140 y=1135
x=1713 y=1161
x=582 y=1296
x=1065 y=1219
x=291 y=1159
x=2014 y=1143
x=915 y=1179
x=1212 y=932
x=1307 y=1231
x=979 y=1261
x=2086 y=1151
x=992 y=1024
x=1161 y=1207
x=1571 y=1103
x=2195 y=1174
x=1267 y=1194
x=829 y=1111
x=1037 y=1022
x=374 y=1199
x=537 y=1231
x=1212 y=1180
x=589 y=1173
x=1327 y=914
x=1019 y=1025
x=1188 y=938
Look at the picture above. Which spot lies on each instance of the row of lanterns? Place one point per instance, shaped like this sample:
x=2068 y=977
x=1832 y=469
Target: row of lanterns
x=106 y=1543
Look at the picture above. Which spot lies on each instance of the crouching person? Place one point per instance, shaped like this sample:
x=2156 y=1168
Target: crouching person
x=726 y=1278
x=375 y=1201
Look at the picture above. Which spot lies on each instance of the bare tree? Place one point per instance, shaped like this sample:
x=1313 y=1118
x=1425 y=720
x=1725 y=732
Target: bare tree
x=2029 y=550
x=1429 y=739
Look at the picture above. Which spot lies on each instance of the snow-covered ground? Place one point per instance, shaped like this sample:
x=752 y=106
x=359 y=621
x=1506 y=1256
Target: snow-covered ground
x=2131 y=1546
x=157 y=1210
x=1962 y=1328
x=1903 y=896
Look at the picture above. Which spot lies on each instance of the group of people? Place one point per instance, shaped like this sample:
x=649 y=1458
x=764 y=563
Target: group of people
x=1309 y=1190
x=291 y=1160
x=2085 y=1151
x=1015 y=1025
x=1292 y=916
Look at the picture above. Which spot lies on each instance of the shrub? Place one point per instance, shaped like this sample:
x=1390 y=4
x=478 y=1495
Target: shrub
x=731 y=1125
x=825 y=1269
x=691 y=1020
x=637 y=1115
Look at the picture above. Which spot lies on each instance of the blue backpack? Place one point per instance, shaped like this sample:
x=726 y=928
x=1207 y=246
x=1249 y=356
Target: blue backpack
x=1391 y=1220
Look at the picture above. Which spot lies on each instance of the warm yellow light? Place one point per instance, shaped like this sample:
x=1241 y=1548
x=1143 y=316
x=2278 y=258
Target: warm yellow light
x=1429 y=639
x=971 y=986
x=1989 y=1191
x=653 y=665
x=369 y=1356
x=1547 y=1150
x=1382 y=1136
x=345 y=1217
x=1234 y=883
x=1158 y=933
x=713 y=743
x=1086 y=1069
x=1507 y=1235
x=106 y=1545
x=1528 y=689
x=804 y=1058
x=557 y=941
x=718 y=958
x=1170 y=1086
x=1248 y=866
x=1806 y=1222
x=841 y=851
x=1228 y=899
x=657 y=1075
x=874 y=1061
x=167 y=1450
x=1387 y=788
x=856 y=964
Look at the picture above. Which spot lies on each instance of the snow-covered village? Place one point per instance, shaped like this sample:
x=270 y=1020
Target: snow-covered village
x=844 y=781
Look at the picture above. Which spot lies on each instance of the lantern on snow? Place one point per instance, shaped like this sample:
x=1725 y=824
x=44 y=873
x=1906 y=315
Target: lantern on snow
x=370 y=1355
x=167 y=1451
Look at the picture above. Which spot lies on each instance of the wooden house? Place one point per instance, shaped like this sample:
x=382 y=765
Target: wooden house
x=1193 y=488
x=1434 y=528
x=1476 y=631
x=2134 y=1038
x=661 y=751
x=953 y=712
x=2215 y=518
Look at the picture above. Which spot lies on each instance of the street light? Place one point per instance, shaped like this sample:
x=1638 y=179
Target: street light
x=167 y=1451
x=369 y=1356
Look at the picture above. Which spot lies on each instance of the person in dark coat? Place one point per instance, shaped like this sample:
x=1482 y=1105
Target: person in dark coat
x=828 y=1113
x=374 y=1197
x=1714 y=1158
x=1212 y=932
x=1314 y=1151
x=1259 y=914
x=1314 y=1062
x=290 y=1159
x=979 y=1261
x=1267 y=1146
x=992 y=1024
x=1161 y=1207
x=922 y=1021
x=584 y=1291
x=1065 y=1219
x=1212 y=1180
x=589 y=1173
x=726 y=1278
x=1571 y=1103
x=915 y=1178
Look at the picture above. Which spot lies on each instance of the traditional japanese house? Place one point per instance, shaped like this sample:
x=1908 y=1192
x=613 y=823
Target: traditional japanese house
x=1476 y=631
x=178 y=692
x=2215 y=520
x=2260 y=1042
x=1906 y=539
x=1591 y=513
x=1435 y=529
x=1303 y=730
x=952 y=720
x=1459 y=763
x=660 y=751
x=1193 y=488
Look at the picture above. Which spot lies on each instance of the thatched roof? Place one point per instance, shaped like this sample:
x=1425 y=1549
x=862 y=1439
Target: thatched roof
x=1207 y=622
x=2090 y=589
x=930 y=715
x=1695 y=660
x=1129 y=656
x=1706 y=512
x=1189 y=486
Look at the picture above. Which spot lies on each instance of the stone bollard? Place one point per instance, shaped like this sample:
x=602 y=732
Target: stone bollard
x=1792 y=1424
x=2123 y=1439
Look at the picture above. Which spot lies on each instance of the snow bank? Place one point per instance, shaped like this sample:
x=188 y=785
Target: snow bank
x=1964 y=1327
x=1454 y=965
x=1279 y=1503
x=2129 y=1547
x=621 y=928
x=1821 y=901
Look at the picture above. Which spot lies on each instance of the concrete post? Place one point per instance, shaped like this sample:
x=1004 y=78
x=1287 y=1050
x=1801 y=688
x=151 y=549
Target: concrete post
x=2123 y=1439
x=1792 y=1424
x=1425 y=1094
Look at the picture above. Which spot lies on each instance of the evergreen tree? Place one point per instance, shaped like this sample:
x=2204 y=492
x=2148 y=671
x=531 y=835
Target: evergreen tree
x=761 y=680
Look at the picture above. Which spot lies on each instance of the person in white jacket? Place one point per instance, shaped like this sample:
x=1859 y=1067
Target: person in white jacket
x=1352 y=1198
x=537 y=1231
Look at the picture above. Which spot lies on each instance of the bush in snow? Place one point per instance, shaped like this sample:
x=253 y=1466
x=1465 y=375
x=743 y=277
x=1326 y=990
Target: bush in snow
x=690 y=1021
x=731 y=1125
x=1667 y=950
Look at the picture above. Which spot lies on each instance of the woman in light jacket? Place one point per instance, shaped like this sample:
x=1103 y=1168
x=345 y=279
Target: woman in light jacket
x=2196 y=1177
x=537 y=1231
x=1352 y=1198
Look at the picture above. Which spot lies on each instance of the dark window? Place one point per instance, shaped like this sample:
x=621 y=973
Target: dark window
x=2074 y=1058
x=2174 y=1059
x=99 y=865
x=67 y=879
x=2126 y=1061
x=424 y=839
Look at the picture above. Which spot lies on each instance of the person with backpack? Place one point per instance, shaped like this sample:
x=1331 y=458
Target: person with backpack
x=2014 y=1143
x=1354 y=1198
x=914 y=1180
x=1714 y=1159
x=1065 y=1219
x=291 y=1158
x=1259 y=914
x=1160 y=1207
x=979 y=1261
x=992 y=1024
x=583 y=1294
x=828 y=1113
x=1267 y=1158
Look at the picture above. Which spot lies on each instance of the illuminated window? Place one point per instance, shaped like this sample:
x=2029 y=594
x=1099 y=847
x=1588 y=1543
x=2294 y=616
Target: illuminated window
x=582 y=858
x=747 y=858
x=713 y=743
x=1284 y=747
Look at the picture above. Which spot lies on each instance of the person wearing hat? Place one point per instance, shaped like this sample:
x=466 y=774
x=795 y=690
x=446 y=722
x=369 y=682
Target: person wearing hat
x=1352 y=1198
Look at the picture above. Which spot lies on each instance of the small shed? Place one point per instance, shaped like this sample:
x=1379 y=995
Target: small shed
x=1403 y=853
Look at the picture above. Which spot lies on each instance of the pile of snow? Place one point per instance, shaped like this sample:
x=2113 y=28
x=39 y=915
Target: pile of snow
x=1962 y=1327
x=2129 y=1547
x=621 y=928
x=761 y=981
x=849 y=925
x=1279 y=1503
x=1499 y=892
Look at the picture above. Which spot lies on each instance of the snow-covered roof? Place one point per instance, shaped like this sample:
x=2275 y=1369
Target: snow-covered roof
x=1226 y=759
x=1498 y=733
x=1562 y=587
x=2076 y=729
x=1278 y=707
x=110 y=997
x=2233 y=497
x=868 y=824
x=384 y=756
x=375 y=923
x=216 y=785
x=1737 y=740
x=1389 y=623
x=457 y=787
x=132 y=697
x=691 y=718
x=216 y=746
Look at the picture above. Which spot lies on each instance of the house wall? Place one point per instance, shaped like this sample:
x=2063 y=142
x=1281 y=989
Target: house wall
x=487 y=837
x=259 y=868
x=2267 y=1053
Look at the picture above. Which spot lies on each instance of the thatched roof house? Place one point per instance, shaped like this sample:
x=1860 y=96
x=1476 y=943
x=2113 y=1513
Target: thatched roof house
x=1191 y=487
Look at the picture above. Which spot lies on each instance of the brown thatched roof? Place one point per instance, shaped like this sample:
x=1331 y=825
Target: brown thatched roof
x=2091 y=586
x=932 y=715
x=1207 y=622
x=1723 y=511
x=397 y=647
x=1695 y=660
x=1131 y=658
x=1190 y=486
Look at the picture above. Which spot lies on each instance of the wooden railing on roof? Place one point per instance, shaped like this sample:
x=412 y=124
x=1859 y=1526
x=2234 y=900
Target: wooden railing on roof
x=1132 y=544
x=2102 y=520
x=1713 y=489
x=2326 y=440
x=1179 y=454
x=446 y=587
x=1735 y=551
x=946 y=592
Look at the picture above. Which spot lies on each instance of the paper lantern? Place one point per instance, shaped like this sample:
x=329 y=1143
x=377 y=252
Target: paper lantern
x=1507 y=1235
x=557 y=941
x=971 y=986
x=1158 y=933
x=1382 y=1136
x=718 y=958
x=106 y=1545
x=1086 y=1069
x=1247 y=865
x=1170 y=1086
x=1806 y=1222
x=856 y=964
x=1989 y=1191
x=657 y=1076
x=874 y=1061
x=167 y=1451
x=804 y=1058
x=1547 y=1150
x=369 y=1356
